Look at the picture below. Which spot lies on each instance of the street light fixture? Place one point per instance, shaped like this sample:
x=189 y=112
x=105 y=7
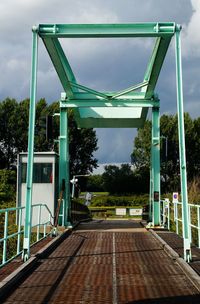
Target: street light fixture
x=74 y=181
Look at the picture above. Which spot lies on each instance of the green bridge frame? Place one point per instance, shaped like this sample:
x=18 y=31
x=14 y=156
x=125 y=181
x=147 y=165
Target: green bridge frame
x=93 y=109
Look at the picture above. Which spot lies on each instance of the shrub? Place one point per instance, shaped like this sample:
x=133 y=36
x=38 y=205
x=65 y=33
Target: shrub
x=7 y=185
x=135 y=200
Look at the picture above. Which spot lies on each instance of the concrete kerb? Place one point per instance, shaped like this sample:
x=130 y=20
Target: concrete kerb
x=189 y=272
x=171 y=252
x=17 y=275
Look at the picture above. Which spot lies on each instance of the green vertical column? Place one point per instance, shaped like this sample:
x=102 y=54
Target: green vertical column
x=31 y=131
x=64 y=164
x=182 y=156
x=150 y=189
x=156 y=165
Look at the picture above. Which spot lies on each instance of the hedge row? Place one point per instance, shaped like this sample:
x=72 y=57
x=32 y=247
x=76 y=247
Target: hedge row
x=105 y=200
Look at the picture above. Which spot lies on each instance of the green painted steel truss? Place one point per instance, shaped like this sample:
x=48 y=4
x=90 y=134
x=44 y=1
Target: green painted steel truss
x=104 y=109
x=126 y=108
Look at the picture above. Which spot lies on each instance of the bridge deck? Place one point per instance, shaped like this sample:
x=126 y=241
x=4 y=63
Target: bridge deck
x=106 y=262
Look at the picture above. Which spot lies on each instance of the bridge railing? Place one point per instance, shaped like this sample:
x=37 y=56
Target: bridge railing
x=175 y=214
x=12 y=230
x=194 y=221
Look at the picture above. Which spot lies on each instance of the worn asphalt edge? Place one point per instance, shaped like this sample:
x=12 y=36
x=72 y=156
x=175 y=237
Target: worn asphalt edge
x=187 y=269
x=7 y=283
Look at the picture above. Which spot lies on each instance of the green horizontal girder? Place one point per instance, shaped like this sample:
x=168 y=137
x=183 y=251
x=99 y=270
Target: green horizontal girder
x=152 y=29
x=79 y=103
x=78 y=96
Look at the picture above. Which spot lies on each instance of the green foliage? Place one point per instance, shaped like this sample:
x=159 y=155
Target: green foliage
x=8 y=130
x=7 y=186
x=134 y=200
x=141 y=154
x=95 y=183
x=14 y=119
x=82 y=144
x=170 y=164
x=194 y=191
x=123 y=180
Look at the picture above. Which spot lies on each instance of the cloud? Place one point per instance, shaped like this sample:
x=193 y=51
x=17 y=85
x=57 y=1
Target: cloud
x=115 y=145
x=102 y=64
x=191 y=36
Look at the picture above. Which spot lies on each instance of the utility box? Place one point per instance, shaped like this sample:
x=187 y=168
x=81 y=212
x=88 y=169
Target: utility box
x=45 y=183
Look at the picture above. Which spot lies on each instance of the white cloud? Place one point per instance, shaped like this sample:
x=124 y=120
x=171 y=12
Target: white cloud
x=191 y=36
x=100 y=64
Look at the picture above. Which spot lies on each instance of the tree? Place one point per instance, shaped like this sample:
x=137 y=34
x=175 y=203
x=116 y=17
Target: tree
x=14 y=119
x=170 y=165
x=95 y=183
x=82 y=144
x=141 y=153
x=8 y=132
x=123 y=180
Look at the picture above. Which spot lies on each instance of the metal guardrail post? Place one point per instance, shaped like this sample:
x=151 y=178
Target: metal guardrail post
x=39 y=220
x=5 y=237
x=19 y=230
x=198 y=223
x=63 y=212
x=168 y=219
x=176 y=218
x=189 y=223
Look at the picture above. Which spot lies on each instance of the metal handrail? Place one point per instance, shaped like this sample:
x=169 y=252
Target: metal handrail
x=190 y=225
x=20 y=229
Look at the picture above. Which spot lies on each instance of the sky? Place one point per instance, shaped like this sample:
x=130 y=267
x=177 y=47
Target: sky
x=102 y=64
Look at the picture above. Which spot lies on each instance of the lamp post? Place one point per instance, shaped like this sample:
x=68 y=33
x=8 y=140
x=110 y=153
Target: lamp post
x=74 y=181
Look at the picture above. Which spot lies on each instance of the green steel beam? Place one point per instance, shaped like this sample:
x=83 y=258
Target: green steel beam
x=145 y=103
x=84 y=102
x=151 y=180
x=109 y=95
x=31 y=132
x=155 y=146
x=155 y=64
x=153 y=29
x=61 y=64
x=88 y=96
x=110 y=123
x=131 y=89
x=182 y=153
x=86 y=89
x=64 y=164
